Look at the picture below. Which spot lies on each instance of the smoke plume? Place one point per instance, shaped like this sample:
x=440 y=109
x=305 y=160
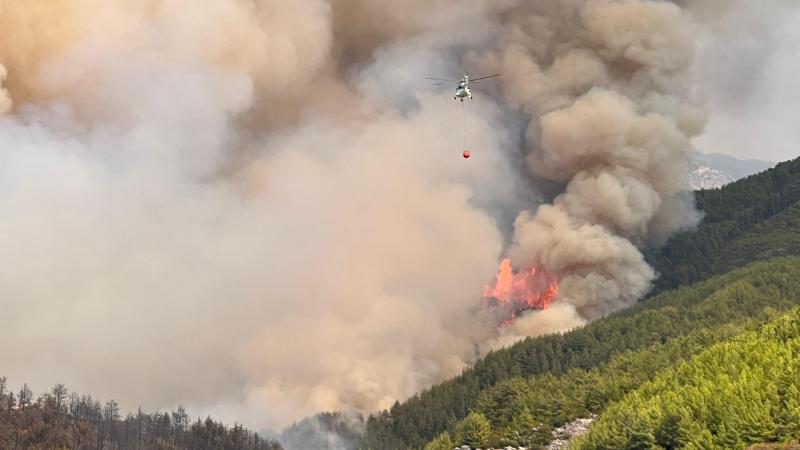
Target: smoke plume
x=608 y=85
x=258 y=209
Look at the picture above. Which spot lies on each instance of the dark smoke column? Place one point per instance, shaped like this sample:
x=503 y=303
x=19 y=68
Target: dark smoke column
x=607 y=84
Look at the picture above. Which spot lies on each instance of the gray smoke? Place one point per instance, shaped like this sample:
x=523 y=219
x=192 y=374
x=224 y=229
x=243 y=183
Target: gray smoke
x=608 y=84
x=329 y=431
x=258 y=209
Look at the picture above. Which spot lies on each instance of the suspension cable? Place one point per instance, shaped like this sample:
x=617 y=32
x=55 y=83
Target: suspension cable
x=464 y=111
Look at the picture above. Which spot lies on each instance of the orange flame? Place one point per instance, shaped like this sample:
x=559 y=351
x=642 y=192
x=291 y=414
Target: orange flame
x=516 y=292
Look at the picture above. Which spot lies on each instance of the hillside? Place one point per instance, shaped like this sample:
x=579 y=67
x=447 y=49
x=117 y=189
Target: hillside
x=735 y=393
x=550 y=400
x=748 y=220
x=628 y=345
x=735 y=167
x=777 y=236
x=705 y=177
x=715 y=170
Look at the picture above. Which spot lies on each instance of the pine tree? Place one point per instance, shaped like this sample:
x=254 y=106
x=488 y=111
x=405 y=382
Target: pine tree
x=474 y=430
x=524 y=424
x=641 y=437
x=441 y=442
x=673 y=433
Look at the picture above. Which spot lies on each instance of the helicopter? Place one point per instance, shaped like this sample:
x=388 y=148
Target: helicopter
x=462 y=90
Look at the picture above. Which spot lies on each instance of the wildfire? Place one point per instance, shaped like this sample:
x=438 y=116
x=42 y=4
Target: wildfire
x=515 y=292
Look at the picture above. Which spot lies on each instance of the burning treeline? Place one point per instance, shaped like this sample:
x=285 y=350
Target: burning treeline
x=272 y=178
x=513 y=293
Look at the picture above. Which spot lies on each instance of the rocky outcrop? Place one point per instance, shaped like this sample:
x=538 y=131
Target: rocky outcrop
x=561 y=435
x=714 y=170
x=704 y=177
x=564 y=434
x=467 y=447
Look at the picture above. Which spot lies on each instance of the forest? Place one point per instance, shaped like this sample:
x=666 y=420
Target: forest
x=709 y=290
x=546 y=381
x=58 y=420
x=753 y=218
x=742 y=391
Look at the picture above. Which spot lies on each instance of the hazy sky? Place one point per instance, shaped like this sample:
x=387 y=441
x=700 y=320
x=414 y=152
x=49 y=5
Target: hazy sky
x=749 y=69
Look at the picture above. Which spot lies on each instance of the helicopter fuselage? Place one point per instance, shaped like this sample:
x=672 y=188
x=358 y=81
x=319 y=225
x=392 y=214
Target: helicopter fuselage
x=462 y=91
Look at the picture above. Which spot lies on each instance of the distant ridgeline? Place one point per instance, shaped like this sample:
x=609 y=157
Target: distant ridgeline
x=57 y=420
x=755 y=218
x=525 y=391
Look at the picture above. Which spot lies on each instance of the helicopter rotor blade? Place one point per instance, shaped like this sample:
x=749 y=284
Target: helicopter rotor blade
x=439 y=79
x=483 y=78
